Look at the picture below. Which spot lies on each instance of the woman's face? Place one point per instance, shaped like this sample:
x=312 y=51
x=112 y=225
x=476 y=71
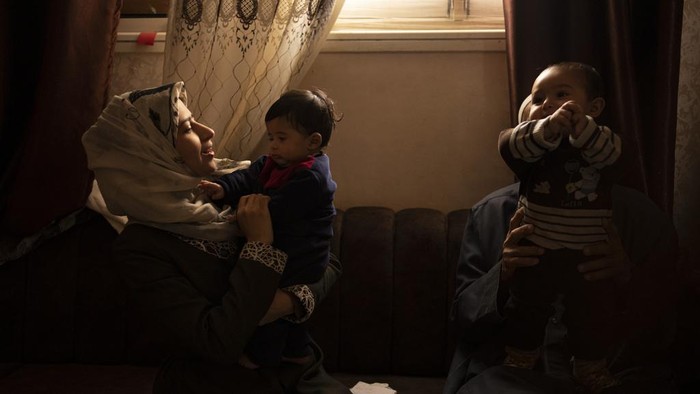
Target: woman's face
x=194 y=143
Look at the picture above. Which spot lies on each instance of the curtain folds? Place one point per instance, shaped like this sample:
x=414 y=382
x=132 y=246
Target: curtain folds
x=636 y=48
x=55 y=81
x=237 y=56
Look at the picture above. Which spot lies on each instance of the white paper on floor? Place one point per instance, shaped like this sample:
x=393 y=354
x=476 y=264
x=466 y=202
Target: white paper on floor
x=373 y=388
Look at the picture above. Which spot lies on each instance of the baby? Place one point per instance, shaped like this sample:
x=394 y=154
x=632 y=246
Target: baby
x=565 y=163
x=296 y=175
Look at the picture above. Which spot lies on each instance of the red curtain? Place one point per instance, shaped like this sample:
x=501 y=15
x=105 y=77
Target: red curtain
x=635 y=46
x=55 y=82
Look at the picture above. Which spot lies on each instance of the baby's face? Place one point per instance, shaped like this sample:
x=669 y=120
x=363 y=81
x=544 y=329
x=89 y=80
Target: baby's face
x=554 y=87
x=287 y=145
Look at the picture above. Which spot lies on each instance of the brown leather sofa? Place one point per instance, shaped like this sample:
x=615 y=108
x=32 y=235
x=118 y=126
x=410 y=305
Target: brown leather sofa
x=62 y=327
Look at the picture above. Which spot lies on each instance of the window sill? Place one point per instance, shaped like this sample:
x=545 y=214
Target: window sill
x=490 y=40
x=130 y=28
x=127 y=42
x=349 y=39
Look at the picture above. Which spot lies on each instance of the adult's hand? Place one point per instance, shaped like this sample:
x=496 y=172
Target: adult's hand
x=514 y=254
x=611 y=259
x=253 y=217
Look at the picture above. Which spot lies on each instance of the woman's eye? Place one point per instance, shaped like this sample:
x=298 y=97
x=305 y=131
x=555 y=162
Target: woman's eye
x=186 y=126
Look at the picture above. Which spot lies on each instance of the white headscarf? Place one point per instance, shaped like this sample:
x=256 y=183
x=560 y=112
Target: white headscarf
x=131 y=149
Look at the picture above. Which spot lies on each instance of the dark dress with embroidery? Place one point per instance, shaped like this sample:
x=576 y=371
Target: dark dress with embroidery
x=197 y=311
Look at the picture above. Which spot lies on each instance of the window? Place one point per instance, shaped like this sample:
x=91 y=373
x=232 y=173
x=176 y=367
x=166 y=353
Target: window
x=418 y=25
x=378 y=25
x=380 y=14
x=420 y=15
x=142 y=16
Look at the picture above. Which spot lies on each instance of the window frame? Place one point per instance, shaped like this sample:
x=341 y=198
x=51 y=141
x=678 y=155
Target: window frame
x=129 y=29
x=456 y=18
x=457 y=33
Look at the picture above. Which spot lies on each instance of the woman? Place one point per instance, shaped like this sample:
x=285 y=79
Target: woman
x=188 y=295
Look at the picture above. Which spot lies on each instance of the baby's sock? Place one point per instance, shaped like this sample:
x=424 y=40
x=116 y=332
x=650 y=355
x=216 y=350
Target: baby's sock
x=245 y=361
x=520 y=358
x=298 y=360
x=594 y=375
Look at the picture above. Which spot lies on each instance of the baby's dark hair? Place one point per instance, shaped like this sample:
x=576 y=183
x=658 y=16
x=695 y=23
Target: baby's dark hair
x=593 y=80
x=309 y=111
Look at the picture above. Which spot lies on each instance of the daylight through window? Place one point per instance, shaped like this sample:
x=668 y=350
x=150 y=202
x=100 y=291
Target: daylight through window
x=380 y=14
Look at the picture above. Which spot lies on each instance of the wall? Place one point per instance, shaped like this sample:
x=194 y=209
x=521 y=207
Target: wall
x=687 y=188
x=134 y=70
x=420 y=128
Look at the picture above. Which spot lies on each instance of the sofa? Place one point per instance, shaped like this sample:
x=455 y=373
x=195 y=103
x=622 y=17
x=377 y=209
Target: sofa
x=386 y=320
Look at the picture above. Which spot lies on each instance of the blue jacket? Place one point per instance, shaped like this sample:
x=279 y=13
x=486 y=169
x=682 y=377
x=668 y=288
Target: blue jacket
x=302 y=214
x=650 y=242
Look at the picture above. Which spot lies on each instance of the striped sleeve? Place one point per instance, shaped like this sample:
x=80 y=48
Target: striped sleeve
x=527 y=141
x=600 y=146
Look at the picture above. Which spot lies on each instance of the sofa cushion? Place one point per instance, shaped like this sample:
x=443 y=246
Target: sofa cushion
x=388 y=316
x=77 y=379
x=64 y=301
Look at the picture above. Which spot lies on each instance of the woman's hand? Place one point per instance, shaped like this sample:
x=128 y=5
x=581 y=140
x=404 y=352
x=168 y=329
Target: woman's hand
x=612 y=261
x=253 y=217
x=515 y=255
x=282 y=305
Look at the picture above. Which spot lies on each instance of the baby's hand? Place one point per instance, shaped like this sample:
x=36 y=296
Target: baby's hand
x=559 y=123
x=231 y=218
x=578 y=119
x=211 y=189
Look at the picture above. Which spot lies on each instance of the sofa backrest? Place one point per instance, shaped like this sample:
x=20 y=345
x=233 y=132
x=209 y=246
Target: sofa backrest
x=389 y=314
x=64 y=302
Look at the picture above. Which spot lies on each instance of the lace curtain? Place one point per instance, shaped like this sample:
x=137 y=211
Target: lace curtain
x=237 y=56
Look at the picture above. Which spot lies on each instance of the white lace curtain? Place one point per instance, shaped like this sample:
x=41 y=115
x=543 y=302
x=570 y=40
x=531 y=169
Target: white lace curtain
x=237 y=56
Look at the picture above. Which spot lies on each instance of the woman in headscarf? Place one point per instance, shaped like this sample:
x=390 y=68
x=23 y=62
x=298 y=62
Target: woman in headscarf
x=193 y=296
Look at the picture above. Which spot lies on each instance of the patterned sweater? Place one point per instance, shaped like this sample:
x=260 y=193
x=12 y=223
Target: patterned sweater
x=565 y=184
